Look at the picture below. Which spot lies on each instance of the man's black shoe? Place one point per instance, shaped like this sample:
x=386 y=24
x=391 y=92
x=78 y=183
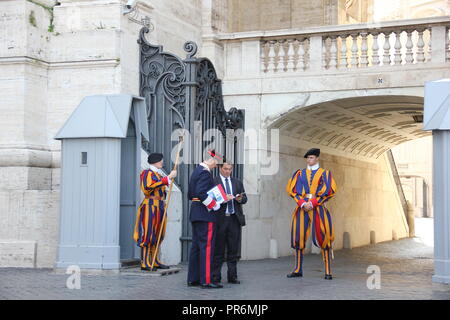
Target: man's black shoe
x=212 y=286
x=295 y=275
x=148 y=269
x=234 y=281
x=162 y=266
x=328 y=277
x=193 y=284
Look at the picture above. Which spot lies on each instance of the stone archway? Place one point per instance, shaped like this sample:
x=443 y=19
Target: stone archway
x=365 y=127
x=355 y=135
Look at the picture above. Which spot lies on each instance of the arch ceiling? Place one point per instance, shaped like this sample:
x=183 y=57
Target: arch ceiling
x=365 y=127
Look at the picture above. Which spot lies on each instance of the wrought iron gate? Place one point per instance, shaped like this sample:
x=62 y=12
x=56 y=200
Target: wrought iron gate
x=186 y=94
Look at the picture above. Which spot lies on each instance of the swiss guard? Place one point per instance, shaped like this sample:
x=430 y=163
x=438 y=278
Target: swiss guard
x=311 y=188
x=150 y=212
x=203 y=220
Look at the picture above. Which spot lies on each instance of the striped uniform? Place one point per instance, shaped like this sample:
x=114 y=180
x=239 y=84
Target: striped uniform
x=318 y=186
x=149 y=215
x=203 y=221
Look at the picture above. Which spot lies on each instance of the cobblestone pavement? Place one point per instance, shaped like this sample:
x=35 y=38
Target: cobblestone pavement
x=406 y=269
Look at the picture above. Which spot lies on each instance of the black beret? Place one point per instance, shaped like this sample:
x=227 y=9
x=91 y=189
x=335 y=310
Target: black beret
x=155 y=157
x=312 y=152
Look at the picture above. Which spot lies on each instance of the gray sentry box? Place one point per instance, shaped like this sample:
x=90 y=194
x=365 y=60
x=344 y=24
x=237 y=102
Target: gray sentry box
x=437 y=118
x=100 y=166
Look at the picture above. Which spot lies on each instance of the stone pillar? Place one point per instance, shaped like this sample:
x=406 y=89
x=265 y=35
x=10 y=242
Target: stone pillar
x=27 y=203
x=438 y=44
x=315 y=47
x=437 y=119
x=347 y=241
x=213 y=21
x=411 y=216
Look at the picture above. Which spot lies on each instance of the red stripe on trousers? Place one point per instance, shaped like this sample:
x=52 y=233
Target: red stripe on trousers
x=318 y=230
x=208 y=253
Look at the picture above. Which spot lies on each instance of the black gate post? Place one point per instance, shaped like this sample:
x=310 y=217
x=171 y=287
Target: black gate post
x=191 y=86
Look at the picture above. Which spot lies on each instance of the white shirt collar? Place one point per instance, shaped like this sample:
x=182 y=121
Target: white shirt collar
x=314 y=167
x=204 y=165
x=223 y=178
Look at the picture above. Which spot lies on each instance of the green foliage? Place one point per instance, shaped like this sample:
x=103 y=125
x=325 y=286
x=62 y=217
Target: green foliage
x=32 y=19
x=51 y=27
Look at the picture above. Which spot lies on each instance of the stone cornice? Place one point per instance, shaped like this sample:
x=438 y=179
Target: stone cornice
x=59 y=64
x=140 y=4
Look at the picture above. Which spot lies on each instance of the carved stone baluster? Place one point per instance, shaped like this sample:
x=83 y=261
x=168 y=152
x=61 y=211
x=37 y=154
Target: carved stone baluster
x=333 y=53
x=290 y=56
x=420 y=44
x=363 y=59
x=375 y=48
x=264 y=58
x=343 y=63
x=306 y=46
x=272 y=67
x=326 y=53
x=447 y=44
x=281 y=56
x=429 y=46
x=295 y=46
x=398 y=48
x=387 y=49
x=409 y=59
x=301 y=55
x=354 y=60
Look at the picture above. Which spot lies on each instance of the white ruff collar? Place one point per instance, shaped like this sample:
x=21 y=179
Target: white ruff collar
x=314 y=167
x=204 y=165
x=155 y=169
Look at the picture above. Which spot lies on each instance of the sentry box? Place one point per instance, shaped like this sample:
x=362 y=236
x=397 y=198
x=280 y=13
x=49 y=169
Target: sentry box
x=100 y=164
x=437 y=119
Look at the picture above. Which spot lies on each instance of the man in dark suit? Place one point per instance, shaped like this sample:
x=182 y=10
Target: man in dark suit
x=230 y=220
x=203 y=218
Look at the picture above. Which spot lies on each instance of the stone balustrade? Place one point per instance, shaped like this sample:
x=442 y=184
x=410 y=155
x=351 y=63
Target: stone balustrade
x=343 y=47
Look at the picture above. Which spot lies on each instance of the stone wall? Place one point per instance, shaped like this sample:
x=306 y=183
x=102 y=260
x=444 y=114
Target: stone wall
x=252 y=15
x=49 y=61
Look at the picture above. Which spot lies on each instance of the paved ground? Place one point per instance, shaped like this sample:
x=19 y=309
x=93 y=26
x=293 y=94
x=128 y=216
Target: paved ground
x=406 y=269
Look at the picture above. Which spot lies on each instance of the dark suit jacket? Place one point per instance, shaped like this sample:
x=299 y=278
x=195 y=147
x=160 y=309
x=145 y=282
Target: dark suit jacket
x=237 y=187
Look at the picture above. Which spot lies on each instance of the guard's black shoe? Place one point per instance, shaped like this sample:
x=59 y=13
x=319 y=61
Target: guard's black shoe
x=234 y=281
x=148 y=269
x=193 y=284
x=162 y=266
x=212 y=286
x=295 y=275
x=328 y=277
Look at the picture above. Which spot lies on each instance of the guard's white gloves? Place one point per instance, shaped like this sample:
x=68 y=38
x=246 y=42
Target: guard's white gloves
x=216 y=207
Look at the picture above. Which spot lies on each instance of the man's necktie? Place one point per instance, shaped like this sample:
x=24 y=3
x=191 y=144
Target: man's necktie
x=230 y=204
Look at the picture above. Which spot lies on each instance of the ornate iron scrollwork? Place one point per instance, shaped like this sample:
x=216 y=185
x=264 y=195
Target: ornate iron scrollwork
x=190 y=47
x=210 y=93
x=162 y=75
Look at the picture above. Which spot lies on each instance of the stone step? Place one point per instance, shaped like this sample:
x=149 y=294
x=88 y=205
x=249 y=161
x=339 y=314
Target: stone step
x=136 y=271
